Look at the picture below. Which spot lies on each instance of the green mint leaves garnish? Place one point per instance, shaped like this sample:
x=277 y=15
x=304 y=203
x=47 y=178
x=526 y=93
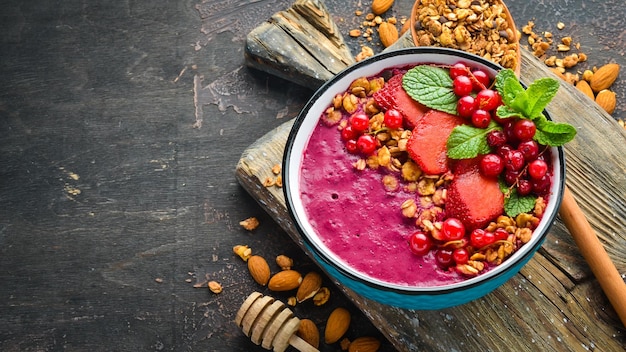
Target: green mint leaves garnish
x=430 y=86
x=466 y=142
x=515 y=204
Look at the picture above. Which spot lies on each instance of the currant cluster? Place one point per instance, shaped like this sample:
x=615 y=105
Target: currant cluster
x=516 y=156
x=356 y=137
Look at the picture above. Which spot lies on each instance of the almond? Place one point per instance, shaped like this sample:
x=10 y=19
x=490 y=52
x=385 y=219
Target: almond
x=584 y=87
x=364 y=344
x=337 y=324
x=308 y=332
x=381 y=6
x=285 y=280
x=311 y=283
x=607 y=100
x=604 y=77
x=259 y=269
x=388 y=33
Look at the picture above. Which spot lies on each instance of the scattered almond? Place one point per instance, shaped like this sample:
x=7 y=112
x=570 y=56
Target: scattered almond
x=259 y=269
x=285 y=280
x=584 y=87
x=311 y=283
x=607 y=100
x=215 y=286
x=337 y=324
x=381 y=6
x=364 y=344
x=604 y=77
x=308 y=332
x=388 y=33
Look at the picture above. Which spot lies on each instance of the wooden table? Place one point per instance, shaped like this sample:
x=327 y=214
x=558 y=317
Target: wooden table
x=121 y=128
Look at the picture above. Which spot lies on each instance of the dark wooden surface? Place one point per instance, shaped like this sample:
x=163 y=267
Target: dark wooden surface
x=121 y=124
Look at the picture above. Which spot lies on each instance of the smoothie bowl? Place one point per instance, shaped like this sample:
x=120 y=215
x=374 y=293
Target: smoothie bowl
x=409 y=188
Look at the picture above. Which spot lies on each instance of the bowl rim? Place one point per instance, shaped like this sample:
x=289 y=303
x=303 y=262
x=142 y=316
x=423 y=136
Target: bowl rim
x=522 y=255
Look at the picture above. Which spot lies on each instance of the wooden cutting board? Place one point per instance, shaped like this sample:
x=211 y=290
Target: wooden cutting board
x=554 y=303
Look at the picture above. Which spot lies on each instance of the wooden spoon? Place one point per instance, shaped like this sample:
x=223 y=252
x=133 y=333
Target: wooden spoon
x=594 y=253
x=269 y=323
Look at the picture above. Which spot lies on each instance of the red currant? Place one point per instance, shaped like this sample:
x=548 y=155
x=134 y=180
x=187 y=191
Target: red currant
x=444 y=258
x=453 y=229
x=462 y=86
x=458 y=69
x=530 y=149
x=359 y=122
x=511 y=177
x=488 y=99
x=420 y=243
x=542 y=185
x=466 y=106
x=496 y=138
x=477 y=238
x=514 y=160
x=500 y=234
x=393 y=119
x=491 y=165
x=537 y=169
x=481 y=118
x=366 y=144
x=524 y=187
x=504 y=150
x=524 y=130
x=348 y=133
x=460 y=256
x=482 y=80
x=351 y=146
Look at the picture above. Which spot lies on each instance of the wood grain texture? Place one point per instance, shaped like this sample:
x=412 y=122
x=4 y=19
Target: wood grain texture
x=553 y=304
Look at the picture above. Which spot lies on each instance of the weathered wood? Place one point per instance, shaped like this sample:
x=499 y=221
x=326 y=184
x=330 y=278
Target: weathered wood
x=554 y=303
x=301 y=44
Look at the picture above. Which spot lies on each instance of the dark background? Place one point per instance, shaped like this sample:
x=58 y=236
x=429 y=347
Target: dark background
x=121 y=124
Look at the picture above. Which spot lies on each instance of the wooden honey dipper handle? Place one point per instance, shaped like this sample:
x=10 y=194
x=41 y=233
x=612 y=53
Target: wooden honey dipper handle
x=594 y=253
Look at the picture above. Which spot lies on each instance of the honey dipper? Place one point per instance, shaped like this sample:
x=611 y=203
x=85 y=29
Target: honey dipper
x=269 y=323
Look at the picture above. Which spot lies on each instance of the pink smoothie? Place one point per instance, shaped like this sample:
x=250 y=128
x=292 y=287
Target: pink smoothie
x=358 y=219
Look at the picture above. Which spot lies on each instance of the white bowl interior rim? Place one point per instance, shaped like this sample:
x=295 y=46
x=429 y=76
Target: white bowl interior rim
x=309 y=117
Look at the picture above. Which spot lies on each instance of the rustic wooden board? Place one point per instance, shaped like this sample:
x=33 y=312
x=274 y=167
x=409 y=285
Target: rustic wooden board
x=554 y=303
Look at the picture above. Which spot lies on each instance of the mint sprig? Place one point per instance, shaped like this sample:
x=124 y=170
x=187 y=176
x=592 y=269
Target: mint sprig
x=430 y=86
x=514 y=203
x=466 y=142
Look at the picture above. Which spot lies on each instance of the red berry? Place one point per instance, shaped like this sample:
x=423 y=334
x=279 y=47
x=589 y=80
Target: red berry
x=488 y=99
x=419 y=243
x=351 y=146
x=496 y=138
x=359 y=122
x=366 y=144
x=466 y=106
x=500 y=234
x=491 y=165
x=504 y=150
x=460 y=256
x=458 y=69
x=444 y=258
x=514 y=160
x=462 y=86
x=511 y=177
x=348 y=133
x=477 y=238
x=537 y=169
x=530 y=149
x=393 y=119
x=482 y=80
x=542 y=185
x=524 y=130
x=453 y=229
x=524 y=187
x=481 y=118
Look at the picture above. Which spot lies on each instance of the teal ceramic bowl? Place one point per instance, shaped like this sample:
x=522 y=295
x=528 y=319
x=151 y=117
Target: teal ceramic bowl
x=397 y=294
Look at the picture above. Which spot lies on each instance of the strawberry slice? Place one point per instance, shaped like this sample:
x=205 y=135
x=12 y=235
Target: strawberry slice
x=393 y=96
x=473 y=198
x=427 y=145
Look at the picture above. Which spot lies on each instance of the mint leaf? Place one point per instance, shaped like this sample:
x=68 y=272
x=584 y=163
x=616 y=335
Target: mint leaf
x=553 y=133
x=539 y=94
x=508 y=86
x=467 y=142
x=505 y=112
x=430 y=86
x=514 y=204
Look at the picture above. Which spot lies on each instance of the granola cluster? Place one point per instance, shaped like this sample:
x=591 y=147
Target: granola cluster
x=481 y=27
